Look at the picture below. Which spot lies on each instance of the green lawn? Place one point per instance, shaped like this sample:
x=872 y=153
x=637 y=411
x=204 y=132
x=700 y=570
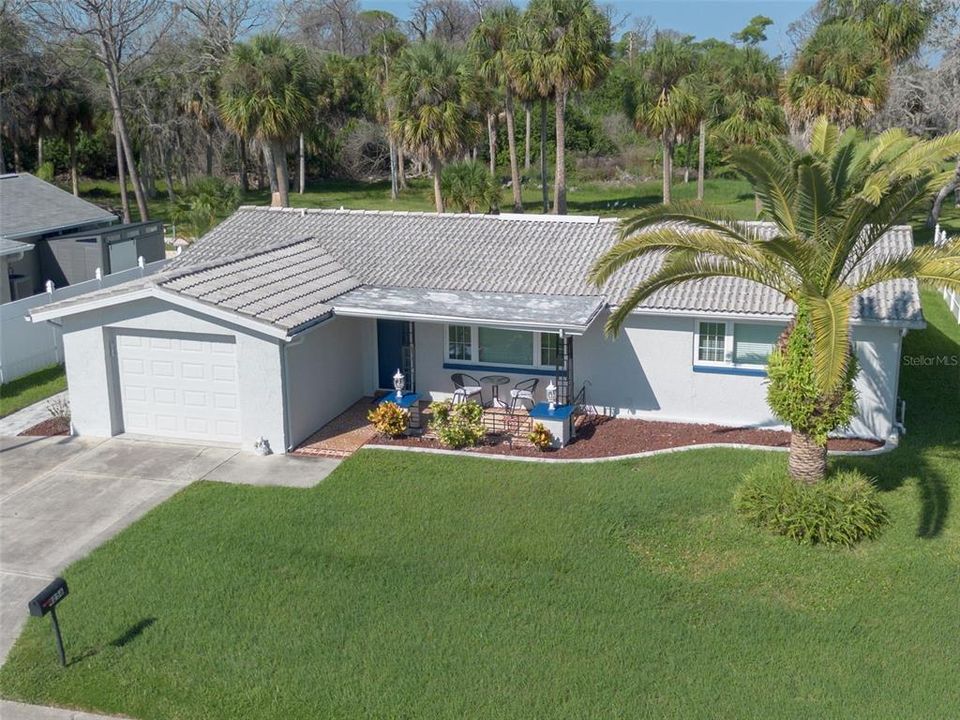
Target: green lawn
x=425 y=586
x=31 y=388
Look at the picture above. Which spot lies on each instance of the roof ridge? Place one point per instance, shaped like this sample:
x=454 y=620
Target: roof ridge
x=522 y=217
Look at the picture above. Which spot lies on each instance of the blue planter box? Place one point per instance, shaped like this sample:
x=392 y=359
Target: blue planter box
x=558 y=421
x=408 y=400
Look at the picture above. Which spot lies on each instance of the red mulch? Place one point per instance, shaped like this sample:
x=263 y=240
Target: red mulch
x=52 y=426
x=599 y=436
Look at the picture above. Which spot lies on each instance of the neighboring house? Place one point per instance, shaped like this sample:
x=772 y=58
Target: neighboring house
x=279 y=319
x=47 y=234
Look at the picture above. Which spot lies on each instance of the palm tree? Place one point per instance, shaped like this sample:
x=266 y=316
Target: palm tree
x=666 y=97
x=266 y=93
x=830 y=205
x=491 y=43
x=470 y=186
x=433 y=115
x=571 y=52
x=530 y=85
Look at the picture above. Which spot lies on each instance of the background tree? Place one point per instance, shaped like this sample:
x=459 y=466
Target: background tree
x=831 y=205
x=267 y=93
x=432 y=91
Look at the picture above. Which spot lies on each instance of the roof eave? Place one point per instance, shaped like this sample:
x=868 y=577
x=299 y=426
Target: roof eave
x=53 y=228
x=570 y=328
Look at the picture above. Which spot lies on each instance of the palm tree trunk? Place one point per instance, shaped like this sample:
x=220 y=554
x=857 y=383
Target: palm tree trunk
x=560 y=172
x=808 y=459
x=512 y=149
x=543 y=155
x=686 y=160
x=74 y=179
x=282 y=196
x=209 y=154
x=270 y=168
x=394 y=188
x=526 y=135
x=667 y=167
x=934 y=217
x=702 y=160
x=436 y=167
x=17 y=159
x=401 y=168
x=492 y=141
x=757 y=205
x=303 y=165
x=244 y=180
x=122 y=178
x=39 y=151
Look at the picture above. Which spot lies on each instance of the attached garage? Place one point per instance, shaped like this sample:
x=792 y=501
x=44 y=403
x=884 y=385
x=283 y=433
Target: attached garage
x=178 y=385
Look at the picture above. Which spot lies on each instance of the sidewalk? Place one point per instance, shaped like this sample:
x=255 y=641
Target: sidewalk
x=17 y=422
x=18 y=711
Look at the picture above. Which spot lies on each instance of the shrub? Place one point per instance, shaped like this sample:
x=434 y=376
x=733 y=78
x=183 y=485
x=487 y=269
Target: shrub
x=457 y=425
x=59 y=411
x=541 y=438
x=46 y=171
x=840 y=510
x=389 y=419
x=204 y=203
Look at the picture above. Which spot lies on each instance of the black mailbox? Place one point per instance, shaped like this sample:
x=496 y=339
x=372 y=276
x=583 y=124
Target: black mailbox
x=48 y=598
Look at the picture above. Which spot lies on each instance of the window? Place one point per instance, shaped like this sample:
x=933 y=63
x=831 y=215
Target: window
x=752 y=344
x=550 y=349
x=711 y=343
x=460 y=342
x=503 y=346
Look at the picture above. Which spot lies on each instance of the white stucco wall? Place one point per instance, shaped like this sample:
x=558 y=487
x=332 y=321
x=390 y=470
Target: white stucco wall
x=327 y=371
x=95 y=408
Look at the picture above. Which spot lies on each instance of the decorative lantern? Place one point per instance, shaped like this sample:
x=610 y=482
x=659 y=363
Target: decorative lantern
x=398 y=382
x=552 y=396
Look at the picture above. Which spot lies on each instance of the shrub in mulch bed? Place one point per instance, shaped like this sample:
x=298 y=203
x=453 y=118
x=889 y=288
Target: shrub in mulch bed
x=599 y=436
x=50 y=426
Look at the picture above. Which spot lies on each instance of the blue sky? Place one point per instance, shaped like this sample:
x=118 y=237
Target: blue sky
x=702 y=18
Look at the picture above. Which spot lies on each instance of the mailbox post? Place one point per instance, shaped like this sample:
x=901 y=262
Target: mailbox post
x=45 y=603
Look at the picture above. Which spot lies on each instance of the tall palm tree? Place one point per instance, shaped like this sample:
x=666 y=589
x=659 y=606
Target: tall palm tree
x=831 y=205
x=666 y=97
x=267 y=93
x=571 y=52
x=491 y=43
x=531 y=85
x=434 y=116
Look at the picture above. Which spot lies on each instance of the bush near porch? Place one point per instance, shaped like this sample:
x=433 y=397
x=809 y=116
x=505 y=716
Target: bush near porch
x=446 y=587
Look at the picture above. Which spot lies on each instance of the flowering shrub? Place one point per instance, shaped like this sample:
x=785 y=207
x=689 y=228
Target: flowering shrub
x=541 y=438
x=389 y=419
x=457 y=425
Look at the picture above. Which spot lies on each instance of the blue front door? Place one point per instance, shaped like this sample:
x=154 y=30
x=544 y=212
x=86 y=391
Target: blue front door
x=395 y=351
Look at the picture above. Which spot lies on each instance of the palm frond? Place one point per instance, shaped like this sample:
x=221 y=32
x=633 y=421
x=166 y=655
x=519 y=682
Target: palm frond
x=830 y=321
x=938 y=267
x=772 y=183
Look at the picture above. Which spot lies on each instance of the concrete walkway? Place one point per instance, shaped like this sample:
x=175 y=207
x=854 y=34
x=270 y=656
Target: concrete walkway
x=15 y=423
x=18 y=711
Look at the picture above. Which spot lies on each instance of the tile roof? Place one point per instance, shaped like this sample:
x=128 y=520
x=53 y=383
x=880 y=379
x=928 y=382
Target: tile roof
x=29 y=206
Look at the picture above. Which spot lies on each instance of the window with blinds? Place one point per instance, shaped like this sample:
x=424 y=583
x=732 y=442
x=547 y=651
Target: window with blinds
x=752 y=344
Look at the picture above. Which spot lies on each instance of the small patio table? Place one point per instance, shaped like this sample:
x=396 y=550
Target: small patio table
x=495 y=382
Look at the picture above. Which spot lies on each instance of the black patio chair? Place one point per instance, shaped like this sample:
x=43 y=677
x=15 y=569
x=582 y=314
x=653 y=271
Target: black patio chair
x=465 y=387
x=523 y=392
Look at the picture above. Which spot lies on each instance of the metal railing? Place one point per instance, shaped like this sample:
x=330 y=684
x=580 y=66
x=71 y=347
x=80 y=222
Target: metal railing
x=951 y=296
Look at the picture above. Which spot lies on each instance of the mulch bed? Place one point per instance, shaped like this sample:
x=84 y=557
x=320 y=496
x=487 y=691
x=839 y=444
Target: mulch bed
x=599 y=436
x=51 y=426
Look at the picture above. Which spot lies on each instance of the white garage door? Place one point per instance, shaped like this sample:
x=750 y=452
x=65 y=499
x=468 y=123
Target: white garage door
x=182 y=386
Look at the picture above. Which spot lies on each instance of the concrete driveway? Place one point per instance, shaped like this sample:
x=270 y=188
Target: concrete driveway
x=61 y=497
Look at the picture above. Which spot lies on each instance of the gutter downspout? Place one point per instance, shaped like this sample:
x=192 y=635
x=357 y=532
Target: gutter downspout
x=898 y=424
x=284 y=374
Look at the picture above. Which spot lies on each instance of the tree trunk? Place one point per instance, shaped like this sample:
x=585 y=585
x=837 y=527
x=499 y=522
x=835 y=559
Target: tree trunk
x=688 y=148
x=436 y=168
x=492 y=141
x=757 y=205
x=394 y=187
x=167 y=171
x=209 y=155
x=934 y=217
x=244 y=180
x=74 y=178
x=17 y=159
x=808 y=459
x=667 y=167
x=512 y=149
x=149 y=184
x=122 y=177
x=270 y=168
x=121 y=126
x=281 y=198
x=303 y=165
x=702 y=160
x=543 y=155
x=526 y=135
x=401 y=168
x=39 y=151
x=182 y=162
x=560 y=172
x=3 y=158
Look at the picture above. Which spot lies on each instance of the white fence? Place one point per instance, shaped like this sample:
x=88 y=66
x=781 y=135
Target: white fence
x=951 y=296
x=27 y=346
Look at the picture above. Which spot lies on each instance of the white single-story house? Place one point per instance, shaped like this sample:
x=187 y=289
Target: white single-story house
x=279 y=319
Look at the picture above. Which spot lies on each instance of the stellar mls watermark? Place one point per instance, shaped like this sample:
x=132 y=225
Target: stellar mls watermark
x=931 y=360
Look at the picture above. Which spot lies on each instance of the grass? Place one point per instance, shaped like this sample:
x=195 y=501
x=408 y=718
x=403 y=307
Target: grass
x=18 y=394
x=425 y=586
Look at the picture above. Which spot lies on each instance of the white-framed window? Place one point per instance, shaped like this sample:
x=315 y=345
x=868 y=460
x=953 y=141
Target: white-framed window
x=493 y=346
x=734 y=344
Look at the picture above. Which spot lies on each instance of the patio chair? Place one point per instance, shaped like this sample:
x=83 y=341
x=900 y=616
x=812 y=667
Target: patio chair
x=523 y=392
x=465 y=387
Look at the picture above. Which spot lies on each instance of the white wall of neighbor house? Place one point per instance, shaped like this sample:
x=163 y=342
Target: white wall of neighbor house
x=648 y=372
x=92 y=375
x=327 y=370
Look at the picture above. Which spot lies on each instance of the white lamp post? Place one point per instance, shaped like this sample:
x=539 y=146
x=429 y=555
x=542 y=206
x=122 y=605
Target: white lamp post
x=398 y=383
x=552 y=396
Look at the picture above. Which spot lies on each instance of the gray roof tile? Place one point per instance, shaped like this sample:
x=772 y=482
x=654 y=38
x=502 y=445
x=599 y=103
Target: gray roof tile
x=29 y=206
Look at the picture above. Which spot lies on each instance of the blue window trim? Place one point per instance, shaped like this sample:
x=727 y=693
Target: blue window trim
x=488 y=369
x=730 y=370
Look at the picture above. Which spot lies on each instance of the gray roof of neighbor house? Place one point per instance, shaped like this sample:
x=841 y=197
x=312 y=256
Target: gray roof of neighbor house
x=12 y=247
x=29 y=206
x=292 y=267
